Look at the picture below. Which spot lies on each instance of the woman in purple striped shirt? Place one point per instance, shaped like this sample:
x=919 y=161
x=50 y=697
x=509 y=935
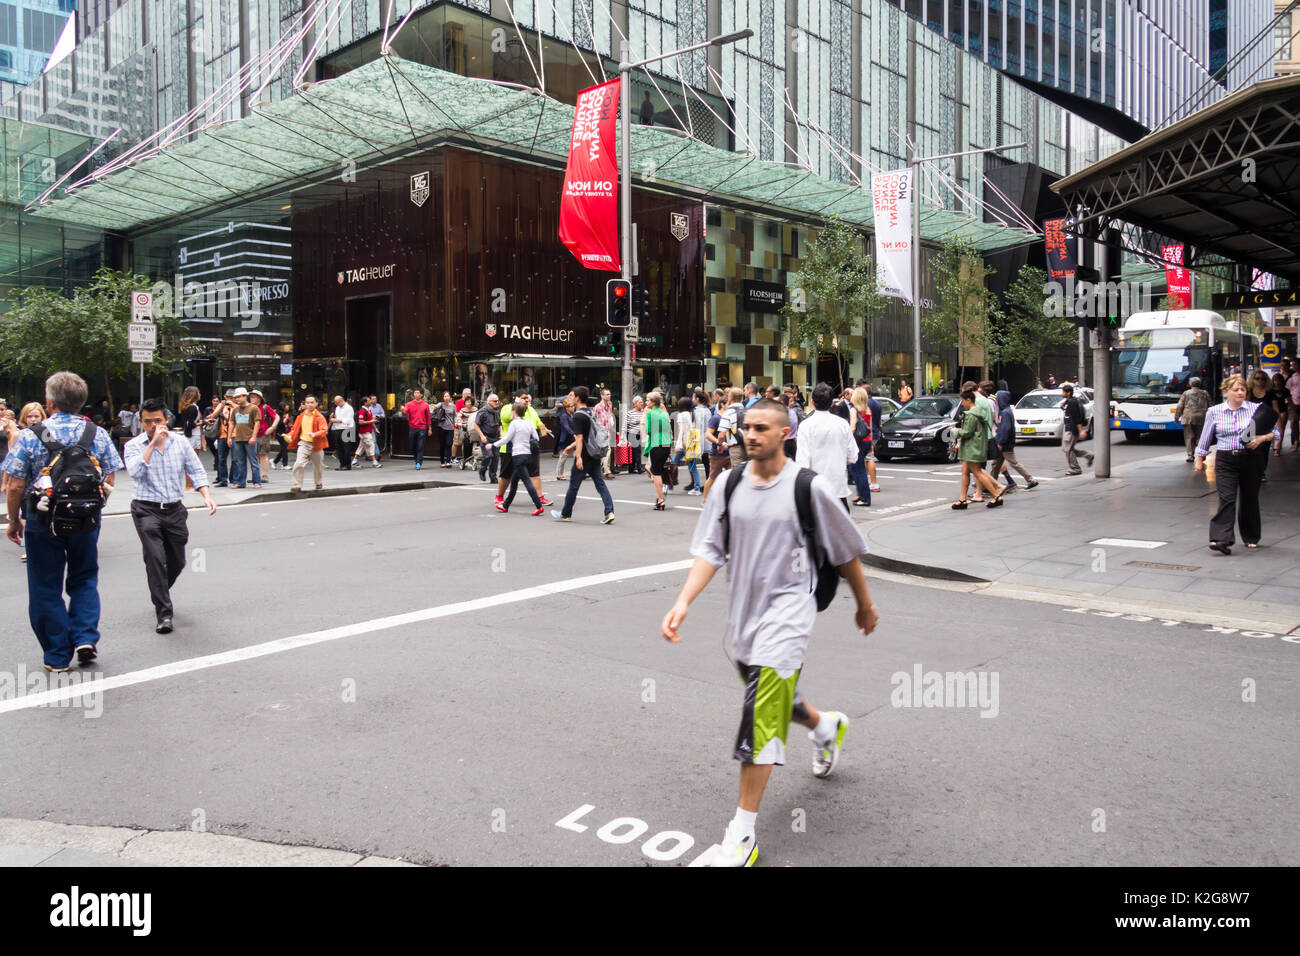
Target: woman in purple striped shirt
x=1231 y=426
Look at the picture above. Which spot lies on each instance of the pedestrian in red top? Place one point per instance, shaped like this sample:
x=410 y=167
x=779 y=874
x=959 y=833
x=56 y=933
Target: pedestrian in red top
x=419 y=420
x=366 y=436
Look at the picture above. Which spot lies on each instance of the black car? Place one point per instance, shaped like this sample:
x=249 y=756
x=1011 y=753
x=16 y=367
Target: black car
x=923 y=428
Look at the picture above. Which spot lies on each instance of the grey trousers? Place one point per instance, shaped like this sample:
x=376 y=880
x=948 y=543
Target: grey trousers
x=1192 y=435
x=1068 y=440
x=1007 y=460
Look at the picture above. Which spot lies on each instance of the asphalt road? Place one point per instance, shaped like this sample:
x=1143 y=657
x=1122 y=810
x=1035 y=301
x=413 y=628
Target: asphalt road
x=468 y=734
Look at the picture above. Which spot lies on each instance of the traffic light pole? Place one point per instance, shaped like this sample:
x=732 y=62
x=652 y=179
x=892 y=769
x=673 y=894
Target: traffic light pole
x=1101 y=340
x=625 y=209
x=625 y=68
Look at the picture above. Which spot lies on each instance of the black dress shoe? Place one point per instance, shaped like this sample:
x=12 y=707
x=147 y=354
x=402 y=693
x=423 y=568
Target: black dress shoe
x=164 y=625
x=86 y=653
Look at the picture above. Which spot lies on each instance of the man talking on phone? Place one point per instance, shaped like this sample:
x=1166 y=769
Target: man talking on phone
x=158 y=462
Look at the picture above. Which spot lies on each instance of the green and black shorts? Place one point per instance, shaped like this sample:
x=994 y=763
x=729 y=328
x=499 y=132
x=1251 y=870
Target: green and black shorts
x=770 y=701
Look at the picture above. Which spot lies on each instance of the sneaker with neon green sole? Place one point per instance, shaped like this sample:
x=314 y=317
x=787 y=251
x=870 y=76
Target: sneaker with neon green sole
x=825 y=758
x=736 y=849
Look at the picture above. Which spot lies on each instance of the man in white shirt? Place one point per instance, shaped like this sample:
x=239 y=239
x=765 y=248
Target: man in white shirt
x=343 y=429
x=826 y=443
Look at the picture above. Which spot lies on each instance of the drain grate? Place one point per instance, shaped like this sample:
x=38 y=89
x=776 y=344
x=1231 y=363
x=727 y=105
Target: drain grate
x=1162 y=567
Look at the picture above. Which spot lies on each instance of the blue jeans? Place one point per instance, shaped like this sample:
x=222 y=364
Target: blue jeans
x=858 y=470
x=418 y=435
x=62 y=628
x=239 y=462
x=695 y=475
x=223 y=459
x=588 y=470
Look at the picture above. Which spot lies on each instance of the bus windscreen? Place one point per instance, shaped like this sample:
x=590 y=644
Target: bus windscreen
x=1152 y=375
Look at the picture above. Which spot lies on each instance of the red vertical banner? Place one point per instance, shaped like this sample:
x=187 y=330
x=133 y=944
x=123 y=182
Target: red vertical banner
x=1178 y=281
x=1060 y=250
x=589 y=203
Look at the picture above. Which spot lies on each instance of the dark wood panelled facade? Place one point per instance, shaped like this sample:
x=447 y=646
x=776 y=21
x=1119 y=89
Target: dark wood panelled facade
x=479 y=268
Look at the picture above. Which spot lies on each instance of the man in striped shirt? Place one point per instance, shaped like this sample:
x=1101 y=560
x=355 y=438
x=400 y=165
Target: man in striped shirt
x=1231 y=426
x=158 y=462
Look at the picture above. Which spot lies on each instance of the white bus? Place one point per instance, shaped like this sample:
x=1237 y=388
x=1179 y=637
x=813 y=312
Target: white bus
x=1155 y=355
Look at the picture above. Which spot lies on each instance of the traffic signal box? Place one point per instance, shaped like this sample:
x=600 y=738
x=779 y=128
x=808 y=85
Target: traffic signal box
x=618 y=303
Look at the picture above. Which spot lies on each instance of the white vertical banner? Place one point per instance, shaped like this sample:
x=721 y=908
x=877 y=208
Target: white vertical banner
x=891 y=197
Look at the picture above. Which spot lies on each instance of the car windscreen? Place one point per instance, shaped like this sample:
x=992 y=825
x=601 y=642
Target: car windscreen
x=931 y=407
x=1041 y=401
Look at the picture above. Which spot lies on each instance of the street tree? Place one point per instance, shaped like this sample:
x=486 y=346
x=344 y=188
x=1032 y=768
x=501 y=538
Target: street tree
x=834 y=294
x=44 y=331
x=966 y=310
x=1028 y=329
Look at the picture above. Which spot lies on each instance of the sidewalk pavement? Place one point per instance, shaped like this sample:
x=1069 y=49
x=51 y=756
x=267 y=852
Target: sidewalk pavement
x=40 y=843
x=1158 y=508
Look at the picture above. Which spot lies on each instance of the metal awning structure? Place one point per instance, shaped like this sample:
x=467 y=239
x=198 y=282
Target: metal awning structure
x=391 y=107
x=1225 y=180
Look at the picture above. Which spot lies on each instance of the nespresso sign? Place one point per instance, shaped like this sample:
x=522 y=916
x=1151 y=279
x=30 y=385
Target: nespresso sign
x=1262 y=299
x=762 y=296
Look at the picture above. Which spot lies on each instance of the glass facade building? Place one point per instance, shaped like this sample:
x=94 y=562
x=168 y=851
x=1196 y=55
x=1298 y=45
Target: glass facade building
x=831 y=89
x=1142 y=61
x=29 y=31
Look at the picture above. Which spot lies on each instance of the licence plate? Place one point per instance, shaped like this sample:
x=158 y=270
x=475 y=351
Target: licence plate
x=896 y=444
x=1157 y=428
x=1027 y=431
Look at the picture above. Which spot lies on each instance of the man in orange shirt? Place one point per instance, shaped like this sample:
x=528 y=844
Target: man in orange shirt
x=310 y=436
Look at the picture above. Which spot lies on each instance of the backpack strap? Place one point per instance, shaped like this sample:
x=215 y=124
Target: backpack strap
x=733 y=482
x=807 y=520
x=52 y=446
x=87 y=439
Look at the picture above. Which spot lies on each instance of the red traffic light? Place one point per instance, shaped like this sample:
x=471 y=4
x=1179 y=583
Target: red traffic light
x=620 y=291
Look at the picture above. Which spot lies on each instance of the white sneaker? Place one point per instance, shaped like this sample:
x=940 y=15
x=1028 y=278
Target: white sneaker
x=874 y=487
x=736 y=850
x=694 y=492
x=825 y=758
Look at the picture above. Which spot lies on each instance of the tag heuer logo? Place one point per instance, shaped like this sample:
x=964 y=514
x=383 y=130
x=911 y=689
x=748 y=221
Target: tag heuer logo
x=340 y=278
x=420 y=188
x=491 y=330
x=680 y=226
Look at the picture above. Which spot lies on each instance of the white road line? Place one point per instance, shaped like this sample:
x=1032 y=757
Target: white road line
x=941 y=481
x=254 y=651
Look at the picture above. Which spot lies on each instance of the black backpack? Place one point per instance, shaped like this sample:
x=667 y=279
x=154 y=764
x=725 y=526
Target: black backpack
x=76 y=496
x=828 y=575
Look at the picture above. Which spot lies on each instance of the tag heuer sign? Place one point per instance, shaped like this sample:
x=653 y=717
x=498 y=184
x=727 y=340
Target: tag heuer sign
x=420 y=188
x=491 y=330
x=680 y=226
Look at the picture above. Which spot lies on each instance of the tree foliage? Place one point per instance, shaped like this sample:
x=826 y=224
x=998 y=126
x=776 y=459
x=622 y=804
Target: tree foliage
x=44 y=331
x=834 y=293
x=1026 y=330
x=966 y=310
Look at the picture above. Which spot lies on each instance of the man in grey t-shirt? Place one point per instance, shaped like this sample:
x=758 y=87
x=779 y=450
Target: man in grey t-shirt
x=772 y=608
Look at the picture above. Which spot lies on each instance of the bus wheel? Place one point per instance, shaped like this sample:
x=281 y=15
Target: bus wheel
x=1132 y=436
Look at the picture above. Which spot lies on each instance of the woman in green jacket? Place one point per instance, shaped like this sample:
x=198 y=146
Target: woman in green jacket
x=657 y=436
x=973 y=452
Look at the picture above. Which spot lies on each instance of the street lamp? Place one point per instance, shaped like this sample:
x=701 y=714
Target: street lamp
x=625 y=68
x=918 y=370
